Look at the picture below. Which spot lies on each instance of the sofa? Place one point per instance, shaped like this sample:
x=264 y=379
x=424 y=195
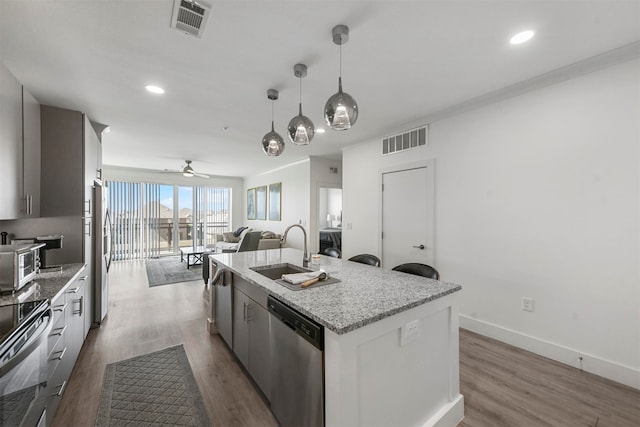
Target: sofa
x=228 y=242
x=246 y=241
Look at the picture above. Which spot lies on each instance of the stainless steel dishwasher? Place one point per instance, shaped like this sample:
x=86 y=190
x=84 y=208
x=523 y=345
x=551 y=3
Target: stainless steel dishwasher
x=297 y=367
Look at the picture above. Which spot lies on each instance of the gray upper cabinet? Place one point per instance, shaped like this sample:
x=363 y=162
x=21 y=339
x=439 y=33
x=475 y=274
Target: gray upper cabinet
x=62 y=179
x=71 y=153
x=11 y=200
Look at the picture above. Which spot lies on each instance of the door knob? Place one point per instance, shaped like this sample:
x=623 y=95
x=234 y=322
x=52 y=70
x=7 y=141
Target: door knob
x=419 y=246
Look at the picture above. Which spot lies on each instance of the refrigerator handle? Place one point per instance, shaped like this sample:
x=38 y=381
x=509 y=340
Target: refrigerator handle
x=108 y=228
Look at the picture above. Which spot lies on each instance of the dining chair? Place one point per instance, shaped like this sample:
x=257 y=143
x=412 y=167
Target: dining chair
x=418 y=269
x=332 y=252
x=366 y=259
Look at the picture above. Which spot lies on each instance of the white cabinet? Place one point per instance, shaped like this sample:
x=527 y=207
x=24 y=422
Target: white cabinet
x=65 y=340
x=19 y=148
x=251 y=332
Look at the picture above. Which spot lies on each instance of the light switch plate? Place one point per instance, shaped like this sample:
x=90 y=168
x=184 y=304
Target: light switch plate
x=527 y=304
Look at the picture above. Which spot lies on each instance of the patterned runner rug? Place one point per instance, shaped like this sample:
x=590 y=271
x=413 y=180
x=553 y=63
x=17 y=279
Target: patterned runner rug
x=155 y=389
x=166 y=270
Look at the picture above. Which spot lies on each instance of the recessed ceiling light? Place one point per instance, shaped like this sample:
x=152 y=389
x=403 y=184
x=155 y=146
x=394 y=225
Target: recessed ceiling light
x=154 y=89
x=320 y=130
x=522 y=37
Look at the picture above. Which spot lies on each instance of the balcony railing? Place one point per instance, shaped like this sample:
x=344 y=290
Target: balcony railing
x=159 y=236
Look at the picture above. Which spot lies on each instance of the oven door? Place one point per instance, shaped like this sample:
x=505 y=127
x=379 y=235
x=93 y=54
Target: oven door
x=23 y=374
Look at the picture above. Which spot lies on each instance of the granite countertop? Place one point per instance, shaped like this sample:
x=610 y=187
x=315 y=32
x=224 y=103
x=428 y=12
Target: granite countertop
x=365 y=294
x=45 y=285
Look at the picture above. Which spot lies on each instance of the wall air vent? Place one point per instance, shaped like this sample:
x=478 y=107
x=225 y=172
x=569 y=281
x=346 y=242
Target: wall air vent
x=411 y=139
x=190 y=17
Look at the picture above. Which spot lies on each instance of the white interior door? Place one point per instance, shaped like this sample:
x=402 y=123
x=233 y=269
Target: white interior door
x=407 y=217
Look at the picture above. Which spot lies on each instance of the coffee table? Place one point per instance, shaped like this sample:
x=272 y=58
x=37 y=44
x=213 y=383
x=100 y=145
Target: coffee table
x=193 y=255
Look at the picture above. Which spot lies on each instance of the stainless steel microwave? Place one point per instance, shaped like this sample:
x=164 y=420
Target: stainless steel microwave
x=18 y=265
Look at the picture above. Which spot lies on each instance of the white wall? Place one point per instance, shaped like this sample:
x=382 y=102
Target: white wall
x=295 y=201
x=329 y=203
x=144 y=175
x=536 y=196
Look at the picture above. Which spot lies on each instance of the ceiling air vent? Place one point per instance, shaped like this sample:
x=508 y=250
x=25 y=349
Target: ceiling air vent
x=190 y=17
x=405 y=141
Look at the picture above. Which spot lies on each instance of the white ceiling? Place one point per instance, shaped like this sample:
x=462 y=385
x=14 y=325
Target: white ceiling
x=404 y=62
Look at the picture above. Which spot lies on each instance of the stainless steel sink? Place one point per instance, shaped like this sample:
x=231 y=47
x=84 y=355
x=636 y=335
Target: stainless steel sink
x=276 y=271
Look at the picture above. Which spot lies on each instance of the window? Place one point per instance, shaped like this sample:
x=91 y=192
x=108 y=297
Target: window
x=150 y=220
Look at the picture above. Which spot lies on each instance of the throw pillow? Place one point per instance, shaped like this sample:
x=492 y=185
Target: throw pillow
x=229 y=237
x=268 y=235
x=239 y=231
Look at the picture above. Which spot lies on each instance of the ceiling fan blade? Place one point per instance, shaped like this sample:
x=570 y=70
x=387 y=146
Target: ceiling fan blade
x=201 y=175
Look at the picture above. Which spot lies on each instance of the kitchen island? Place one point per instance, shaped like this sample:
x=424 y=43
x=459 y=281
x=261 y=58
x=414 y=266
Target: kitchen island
x=390 y=339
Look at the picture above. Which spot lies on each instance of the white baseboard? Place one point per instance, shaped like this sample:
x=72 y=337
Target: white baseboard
x=449 y=415
x=605 y=368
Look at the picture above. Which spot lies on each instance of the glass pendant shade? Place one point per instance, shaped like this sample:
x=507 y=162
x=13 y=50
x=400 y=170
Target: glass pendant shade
x=272 y=143
x=341 y=110
x=301 y=129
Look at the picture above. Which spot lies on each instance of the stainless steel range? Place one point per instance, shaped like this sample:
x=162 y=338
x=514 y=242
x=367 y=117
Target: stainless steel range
x=24 y=329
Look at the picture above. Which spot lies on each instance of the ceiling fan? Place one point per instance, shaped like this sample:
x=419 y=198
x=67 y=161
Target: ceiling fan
x=187 y=171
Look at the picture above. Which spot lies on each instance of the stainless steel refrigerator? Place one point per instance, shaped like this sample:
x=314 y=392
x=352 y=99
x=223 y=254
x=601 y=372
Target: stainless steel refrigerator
x=102 y=253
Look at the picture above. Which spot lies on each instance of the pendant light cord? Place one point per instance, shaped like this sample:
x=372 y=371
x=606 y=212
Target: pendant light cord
x=272 y=114
x=300 y=78
x=340 y=60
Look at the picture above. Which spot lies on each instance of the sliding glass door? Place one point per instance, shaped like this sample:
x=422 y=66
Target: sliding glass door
x=165 y=220
x=134 y=210
x=156 y=219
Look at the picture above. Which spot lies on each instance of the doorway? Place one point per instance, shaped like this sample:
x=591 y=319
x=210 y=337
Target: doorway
x=329 y=218
x=408 y=215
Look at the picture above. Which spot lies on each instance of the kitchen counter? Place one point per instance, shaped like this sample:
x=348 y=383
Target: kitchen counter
x=390 y=338
x=45 y=286
x=363 y=296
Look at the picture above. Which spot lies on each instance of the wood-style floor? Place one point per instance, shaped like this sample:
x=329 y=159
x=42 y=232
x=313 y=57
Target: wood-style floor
x=502 y=385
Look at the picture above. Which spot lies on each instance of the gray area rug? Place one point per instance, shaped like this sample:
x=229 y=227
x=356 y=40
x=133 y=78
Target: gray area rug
x=155 y=389
x=163 y=271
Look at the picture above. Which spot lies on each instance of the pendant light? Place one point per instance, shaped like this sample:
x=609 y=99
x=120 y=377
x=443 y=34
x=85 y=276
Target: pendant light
x=301 y=129
x=341 y=110
x=272 y=142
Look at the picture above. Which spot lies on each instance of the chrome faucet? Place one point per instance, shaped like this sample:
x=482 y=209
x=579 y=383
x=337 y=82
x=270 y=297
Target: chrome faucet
x=305 y=259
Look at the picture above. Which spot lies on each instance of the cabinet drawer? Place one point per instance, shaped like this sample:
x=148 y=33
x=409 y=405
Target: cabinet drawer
x=56 y=355
x=59 y=308
x=55 y=388
x=56 y=337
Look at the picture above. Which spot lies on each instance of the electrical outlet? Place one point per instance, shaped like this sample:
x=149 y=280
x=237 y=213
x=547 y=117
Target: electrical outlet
x=527 y=304
x=410 y=332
